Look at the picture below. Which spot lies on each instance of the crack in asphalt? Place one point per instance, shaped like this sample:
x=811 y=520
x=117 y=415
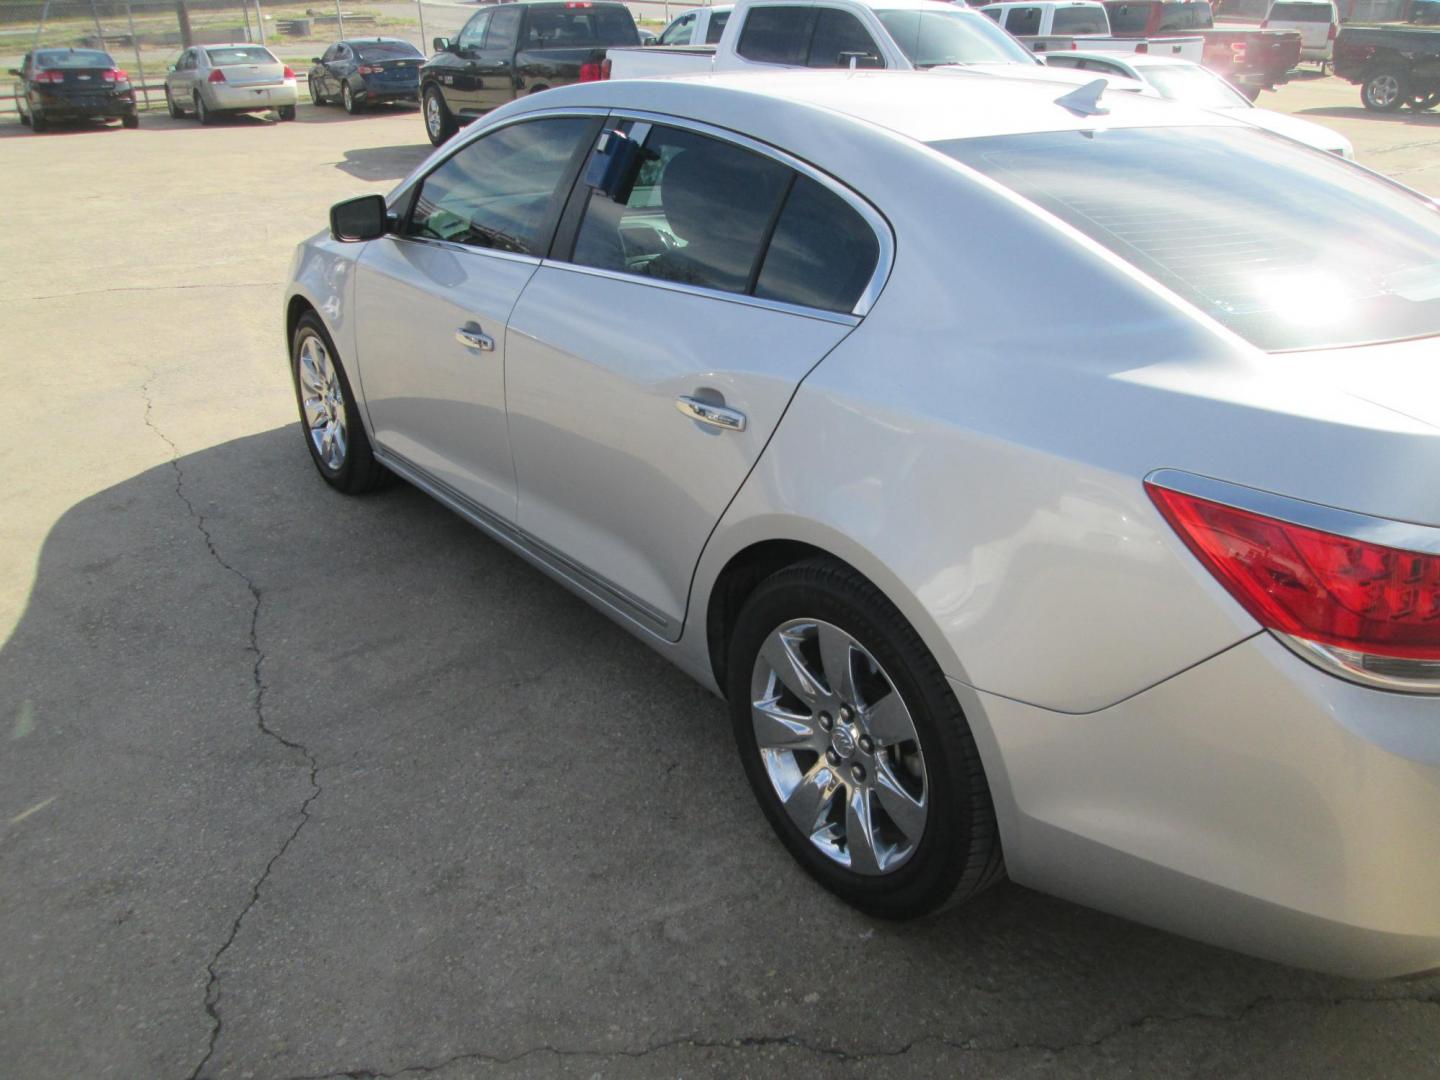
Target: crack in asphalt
x=841 y=1054
x=212 y=985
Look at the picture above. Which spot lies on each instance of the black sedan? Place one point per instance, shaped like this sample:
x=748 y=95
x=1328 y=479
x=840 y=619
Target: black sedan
x=366 y=71
x=72 y=84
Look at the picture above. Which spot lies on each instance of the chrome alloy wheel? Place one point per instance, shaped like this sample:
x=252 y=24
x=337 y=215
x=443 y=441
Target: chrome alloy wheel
x=323 y=402
x=839 y=746
x=1384 y=90
x=434 y=121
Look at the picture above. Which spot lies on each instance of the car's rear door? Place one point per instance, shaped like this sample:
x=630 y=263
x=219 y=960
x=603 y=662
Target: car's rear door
x=650 y=358
x=431 y=303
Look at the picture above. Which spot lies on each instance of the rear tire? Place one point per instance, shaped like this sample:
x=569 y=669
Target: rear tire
x=1385 y=89
x=439 y=123
x=38 y=123
x=347 y=99
x=286 y=112
x=24 y=116
x=902 y=726
x=202 y=111
x=328 y=412
x=1424 y=101
x=130 y=120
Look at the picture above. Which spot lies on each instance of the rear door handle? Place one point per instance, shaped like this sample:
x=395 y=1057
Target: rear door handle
x=714 y=415
x=472 y=337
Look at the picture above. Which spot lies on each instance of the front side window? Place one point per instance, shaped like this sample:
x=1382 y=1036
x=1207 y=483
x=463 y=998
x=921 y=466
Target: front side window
x=840 y=38
x=1023 y=21
x=822 y=253
x=697 y=215
x=678 y=32
x=716 y=27
x=776 y=35
x=504 y=190
x=1080 y=20
x=931 y=38
x=473 y=36
x=1288 y=247
x=240 y=54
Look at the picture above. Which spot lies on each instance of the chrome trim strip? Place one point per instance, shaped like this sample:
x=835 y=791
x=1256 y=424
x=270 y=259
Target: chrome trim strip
x=709 y=294
x=883 y=236
x=1404 y=535
x=466 y=249
x=535 y=551
x=1361 y=667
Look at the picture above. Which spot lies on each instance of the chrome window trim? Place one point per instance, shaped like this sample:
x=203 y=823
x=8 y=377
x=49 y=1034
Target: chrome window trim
x=466 y=249
x=1405 y=535
x=818 y=314
x=1357 y=667
x=884 y=238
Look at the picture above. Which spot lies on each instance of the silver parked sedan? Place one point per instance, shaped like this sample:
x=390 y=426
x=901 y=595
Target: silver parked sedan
x=1033 y=474
x=210 y=80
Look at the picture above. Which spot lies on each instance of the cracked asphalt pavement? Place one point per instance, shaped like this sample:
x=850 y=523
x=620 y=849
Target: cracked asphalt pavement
x=294 y=785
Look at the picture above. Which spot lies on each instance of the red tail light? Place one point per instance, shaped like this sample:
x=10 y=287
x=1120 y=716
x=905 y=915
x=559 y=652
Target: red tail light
x=216 y=76
x=48 y=77
x=364 y=69
x=115 y=75
x=579 y=4
x=1264 y=23
x=290 y=72
x=605 y=68
x=1143 y=47
x=1334 y=30
x=592 y=72
x=1361 y=597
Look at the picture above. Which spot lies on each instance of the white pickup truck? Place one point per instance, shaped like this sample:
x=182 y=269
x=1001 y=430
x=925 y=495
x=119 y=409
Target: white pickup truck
x=898 y=34
x=1055 y=25
x=698 y=26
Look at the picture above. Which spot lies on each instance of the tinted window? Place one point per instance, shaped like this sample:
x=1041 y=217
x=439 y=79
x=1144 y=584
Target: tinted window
x=501 y=191
x=474 y=33
x=1130 y=18
x=73 y=58
x=240 y=54
x=504 y=29
x=559 y=26
x=387 y=50
x=1186 y=16
x=1301 y=13
x=838 y=33
x=697 y=215
x=775 y=35
x=1288 y=247
x=678 y=32
x=1080 y=20
x=992 y=14
x=1023 y=21
x=716 y=27
x=951 y=37
x=822 y=254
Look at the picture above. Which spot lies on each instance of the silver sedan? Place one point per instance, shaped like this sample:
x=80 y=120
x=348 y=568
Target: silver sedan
x=1041 y=479
x=210 y=80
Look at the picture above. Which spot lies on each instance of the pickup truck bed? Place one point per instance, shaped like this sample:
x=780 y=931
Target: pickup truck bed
x=1394 y=66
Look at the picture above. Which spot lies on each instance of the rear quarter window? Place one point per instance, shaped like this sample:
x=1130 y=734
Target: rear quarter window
x=775 y=35
x=1083 y=20
x=822 y=253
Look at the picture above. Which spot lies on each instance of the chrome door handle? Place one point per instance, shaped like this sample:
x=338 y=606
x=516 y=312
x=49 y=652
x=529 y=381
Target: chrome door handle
x=714 y=415
x=472 y=337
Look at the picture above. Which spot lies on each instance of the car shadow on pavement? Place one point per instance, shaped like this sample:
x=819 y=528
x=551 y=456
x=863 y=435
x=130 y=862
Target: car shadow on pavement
x=407 y=798
x=384 y=162
x=1358 y=112
x=11 y=128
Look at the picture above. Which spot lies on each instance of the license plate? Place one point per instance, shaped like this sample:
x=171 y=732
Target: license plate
x=261 y=93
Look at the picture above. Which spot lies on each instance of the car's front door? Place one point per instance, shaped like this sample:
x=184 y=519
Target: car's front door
x=338 y=64
x=461 y=76
x=431 y=303
x=182 y=79
x=651 y=359
x=495 y=62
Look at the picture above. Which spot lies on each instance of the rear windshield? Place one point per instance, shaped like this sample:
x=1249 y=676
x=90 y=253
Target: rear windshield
x=240 y=54
x=1289 y=247
x=73 y=58
x=1194 y=85
x=1080 y=20
x=386 y=50
x=930 y=38
x=1301 y=13
x=561 y=26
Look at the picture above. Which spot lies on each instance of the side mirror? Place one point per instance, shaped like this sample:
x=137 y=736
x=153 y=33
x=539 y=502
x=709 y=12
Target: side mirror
x=314 y=60
x=15 y=72
x=363 y=218
x=442 y=44
x=173 y=67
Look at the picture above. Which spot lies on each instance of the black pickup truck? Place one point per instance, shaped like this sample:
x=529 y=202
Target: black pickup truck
x=1393 y=65
x=512 y=49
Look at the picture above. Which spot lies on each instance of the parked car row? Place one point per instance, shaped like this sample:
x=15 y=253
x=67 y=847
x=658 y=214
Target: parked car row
x=72 y=84
x=1079 y=532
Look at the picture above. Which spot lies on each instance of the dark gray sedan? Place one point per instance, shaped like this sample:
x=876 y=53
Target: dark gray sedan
x=366 y=71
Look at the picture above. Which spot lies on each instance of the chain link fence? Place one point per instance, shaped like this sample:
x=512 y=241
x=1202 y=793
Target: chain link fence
x=145 y=36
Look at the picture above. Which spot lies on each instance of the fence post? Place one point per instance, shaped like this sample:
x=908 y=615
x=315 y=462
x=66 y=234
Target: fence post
x=260 y=22
x=339 y=21
x=139 y=64
x=245 y=14
x=424 y=41
x=99 y=31
x=40 y=26
x=182 y=13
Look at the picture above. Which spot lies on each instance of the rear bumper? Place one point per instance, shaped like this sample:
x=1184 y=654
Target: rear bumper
x=1252 y=801
x=1322 y=52
x=56 y=107
x=251 y=99
x=388 y=93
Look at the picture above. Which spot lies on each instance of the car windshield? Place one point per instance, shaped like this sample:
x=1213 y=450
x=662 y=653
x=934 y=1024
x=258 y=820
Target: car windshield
x=1300 y=13
x=1194 y=86
x=931 y=38
x=561 y=26
x=1290 y=248
x=386 y=50
x=1080 y=20
x=73 y=58
x=240 y=54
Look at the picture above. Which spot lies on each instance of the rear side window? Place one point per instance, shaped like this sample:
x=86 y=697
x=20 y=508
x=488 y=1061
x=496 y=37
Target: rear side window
x=1321 y=13
x=822 y=254
x=502 y=191
x=839 y=38
x=1023 y=21
x=716 y=27
x=1290 y=248
x=240 y=54
x=1132 y=18
x=775 y=35
x=504 y=29
x=563 y=26
x=1185 y=16
x=1080 y=20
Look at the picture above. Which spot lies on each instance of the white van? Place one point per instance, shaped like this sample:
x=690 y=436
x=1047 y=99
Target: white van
x=1317 y=20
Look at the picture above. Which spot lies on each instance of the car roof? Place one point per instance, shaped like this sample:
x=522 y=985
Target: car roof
x=928 y=106
x=373 y=41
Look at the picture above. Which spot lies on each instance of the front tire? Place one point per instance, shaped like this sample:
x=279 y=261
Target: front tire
x=38 y=124
x=439 y=123
x=347 y=99
x=130 y=120
x=1385 y=90
x=856 y=747
x=202 y=111
x=329 y=416
x=316 y=97
x=175 y=111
